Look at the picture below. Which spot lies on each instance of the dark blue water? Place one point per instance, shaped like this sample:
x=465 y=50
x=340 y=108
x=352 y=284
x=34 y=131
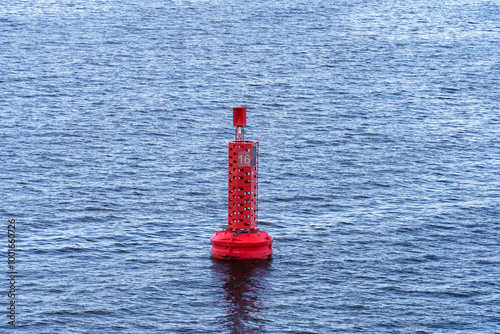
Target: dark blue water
x=379 y=132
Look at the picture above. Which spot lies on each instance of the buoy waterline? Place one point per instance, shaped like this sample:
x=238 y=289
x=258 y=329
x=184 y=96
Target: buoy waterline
x=242 y=240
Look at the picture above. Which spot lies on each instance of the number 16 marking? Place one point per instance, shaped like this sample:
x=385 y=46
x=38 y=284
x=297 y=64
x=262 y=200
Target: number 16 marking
x=244 y=159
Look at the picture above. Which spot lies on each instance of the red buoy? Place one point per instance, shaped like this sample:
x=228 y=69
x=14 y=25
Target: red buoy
x=242 y=240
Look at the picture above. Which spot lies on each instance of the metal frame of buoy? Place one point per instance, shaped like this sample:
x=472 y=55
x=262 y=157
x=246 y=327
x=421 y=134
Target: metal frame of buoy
x=242 y=240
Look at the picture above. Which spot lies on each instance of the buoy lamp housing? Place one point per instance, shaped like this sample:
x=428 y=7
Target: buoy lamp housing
x=242 y=240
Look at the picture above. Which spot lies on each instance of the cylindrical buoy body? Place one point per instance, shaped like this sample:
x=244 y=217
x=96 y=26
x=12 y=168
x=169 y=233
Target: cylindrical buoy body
x=242 y=239
x=232 y=245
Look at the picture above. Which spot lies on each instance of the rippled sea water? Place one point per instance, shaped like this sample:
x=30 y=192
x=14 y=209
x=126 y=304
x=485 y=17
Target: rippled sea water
x=379 y=132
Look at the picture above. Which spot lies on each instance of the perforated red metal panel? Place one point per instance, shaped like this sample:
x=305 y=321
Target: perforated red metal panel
x=243 y=185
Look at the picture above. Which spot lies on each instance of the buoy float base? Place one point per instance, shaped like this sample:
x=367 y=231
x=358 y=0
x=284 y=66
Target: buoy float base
x=242 y=245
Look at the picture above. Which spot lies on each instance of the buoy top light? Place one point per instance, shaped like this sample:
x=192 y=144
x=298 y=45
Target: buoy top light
x=239 y=116
x=239 y=120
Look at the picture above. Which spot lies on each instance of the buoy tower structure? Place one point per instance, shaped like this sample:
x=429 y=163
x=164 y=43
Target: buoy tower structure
x=242 y=240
